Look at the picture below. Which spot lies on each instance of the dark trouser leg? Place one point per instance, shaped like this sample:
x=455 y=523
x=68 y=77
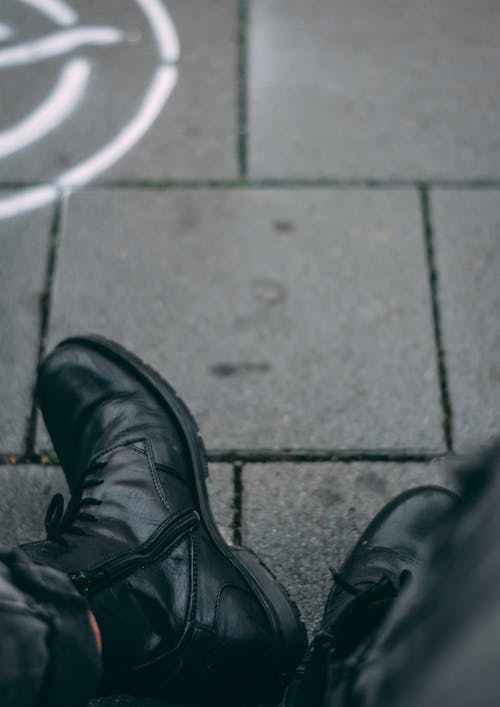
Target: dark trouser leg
x=48 y=652
x=440 y=645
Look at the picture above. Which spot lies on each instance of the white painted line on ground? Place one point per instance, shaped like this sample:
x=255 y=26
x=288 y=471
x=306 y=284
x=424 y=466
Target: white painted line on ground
x=52 y=112
x=57 y=44
x=56 y=10
x=158 y=92
x=160 y=89
x=163 y=29
x=27 y=200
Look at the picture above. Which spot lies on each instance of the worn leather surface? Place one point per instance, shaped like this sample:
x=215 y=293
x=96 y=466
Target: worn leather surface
x=188 y=626
x=440 y=645
x=396 y=541
x=381 y=569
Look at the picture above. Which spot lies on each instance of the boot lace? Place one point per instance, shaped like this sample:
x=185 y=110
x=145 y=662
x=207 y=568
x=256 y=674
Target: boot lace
x=335 y=644
x=59 y=522
x=362 y=615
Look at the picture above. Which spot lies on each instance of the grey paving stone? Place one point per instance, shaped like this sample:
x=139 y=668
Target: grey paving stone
x=374 y=88
x=196 y=136
x=305 y=518
x=25 y=493
x=467 y=235
x=24 y=244
x=283 y=318
x=195 y=133
x=221 y=493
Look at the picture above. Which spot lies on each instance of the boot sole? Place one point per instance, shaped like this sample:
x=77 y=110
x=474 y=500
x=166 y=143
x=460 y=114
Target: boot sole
x=289 y=633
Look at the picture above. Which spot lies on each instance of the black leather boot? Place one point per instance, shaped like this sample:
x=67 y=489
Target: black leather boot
x=380 y=565
x=183 y=616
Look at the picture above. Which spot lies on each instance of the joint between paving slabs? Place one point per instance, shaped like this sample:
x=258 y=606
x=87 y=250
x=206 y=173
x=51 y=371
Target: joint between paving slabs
x=237 y=521
x=270 y=456
x=244 y=182
x=428 y=232
x=45 y=304
x=239 y=458
x=242 y=88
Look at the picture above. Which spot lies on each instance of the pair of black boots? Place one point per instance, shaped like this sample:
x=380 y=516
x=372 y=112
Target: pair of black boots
x=184 y=616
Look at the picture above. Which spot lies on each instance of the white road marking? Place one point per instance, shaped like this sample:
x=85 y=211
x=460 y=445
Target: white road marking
x=160 y=89
x=157 y=94
x=56 y=44
x=27 y=200
x=56 y=10
x=52 y=112
x=163 y=29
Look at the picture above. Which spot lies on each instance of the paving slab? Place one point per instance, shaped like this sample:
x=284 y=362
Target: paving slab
x=283 y=318
x=26 y=490
x=374 y=88
x=305 y=518
x=220 y=487
x=110 y=83
x=467 y=236
x=24 y=246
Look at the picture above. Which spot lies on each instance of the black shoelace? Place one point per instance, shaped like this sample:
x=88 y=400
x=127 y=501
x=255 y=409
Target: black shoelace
x=340 y=637
x=333 y=654
x=59 y=522
x=363 y=613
